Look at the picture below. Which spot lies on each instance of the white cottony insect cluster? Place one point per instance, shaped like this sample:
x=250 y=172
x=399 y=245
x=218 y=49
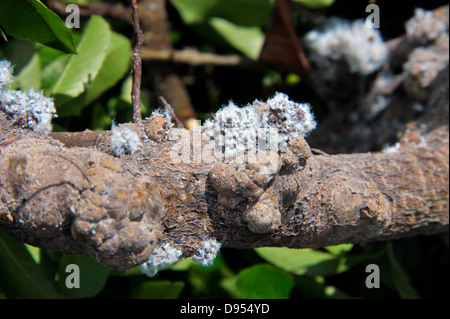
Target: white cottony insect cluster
x=162 y=256
x=5 y=74
x=166 y=254
x=425 y=27
x=207 y=252
x=362 y=48
x=429 y=32
x=261 y=125
x=29 y=110
x=124 y=140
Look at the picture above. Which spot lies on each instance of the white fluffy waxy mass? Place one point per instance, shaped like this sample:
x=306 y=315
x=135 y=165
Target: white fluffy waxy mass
x=29 y=110
x=207 y=252
x=261 y=125
x=162 y=256
x=424 y=27
x=362 y=48
x=5 y=74
x=124 y=140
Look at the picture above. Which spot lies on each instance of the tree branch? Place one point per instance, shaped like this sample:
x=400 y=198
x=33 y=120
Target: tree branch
x=137 y=64
x=130 y=204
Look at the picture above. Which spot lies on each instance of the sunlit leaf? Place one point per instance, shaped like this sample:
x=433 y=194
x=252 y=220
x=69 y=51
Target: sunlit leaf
x=241 y=12
x=305 y=261
x=248 y=40
x=114 y=67
x=194 y=11
x=183 y=264
x=339 y=249
x=316 y=4
x=81 y=69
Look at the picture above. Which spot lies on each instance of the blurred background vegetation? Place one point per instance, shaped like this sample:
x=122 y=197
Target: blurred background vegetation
x=410 y=268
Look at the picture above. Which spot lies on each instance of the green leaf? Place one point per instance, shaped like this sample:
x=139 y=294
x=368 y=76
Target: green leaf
x=30 y=76
x=264 y=281
x=339 y=249
x=242 y=12
x=81 y=69
x=21 y=276
x=229 y=285
x=52 y=72
x=183 y=264
x=248 y=40
x=305 y=261
x=35 y=253
x=297 y=261
x=93 y=276
x=400 y=278
x=31 y=20
x=316 y=4
x=238 y=22
x=194 y=11
x=125 y=93
x=48 y=55
x=26 y=64
x=115 y=65
x=161 y=289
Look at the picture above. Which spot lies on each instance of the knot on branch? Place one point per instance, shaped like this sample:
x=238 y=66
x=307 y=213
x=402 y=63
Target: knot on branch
x=78 y=201
x=122 y=226
x=261 y=190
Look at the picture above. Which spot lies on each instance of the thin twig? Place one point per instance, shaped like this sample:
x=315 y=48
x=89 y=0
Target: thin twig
x=137 y=64
x=172 y=112
x=193 y=57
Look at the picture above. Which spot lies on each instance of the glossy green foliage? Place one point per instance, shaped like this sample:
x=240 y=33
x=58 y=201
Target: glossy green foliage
x=75 y=81
x=239 y=28
x=31 y=20
x=315 y=4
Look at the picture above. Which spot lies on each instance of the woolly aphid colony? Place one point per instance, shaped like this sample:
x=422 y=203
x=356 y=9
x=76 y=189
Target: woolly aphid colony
x=272 y=123
x=165 y=255
x=124 y=140
x=29 y=110
x=425 y=27
x=360 y=47
x=428 y=32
